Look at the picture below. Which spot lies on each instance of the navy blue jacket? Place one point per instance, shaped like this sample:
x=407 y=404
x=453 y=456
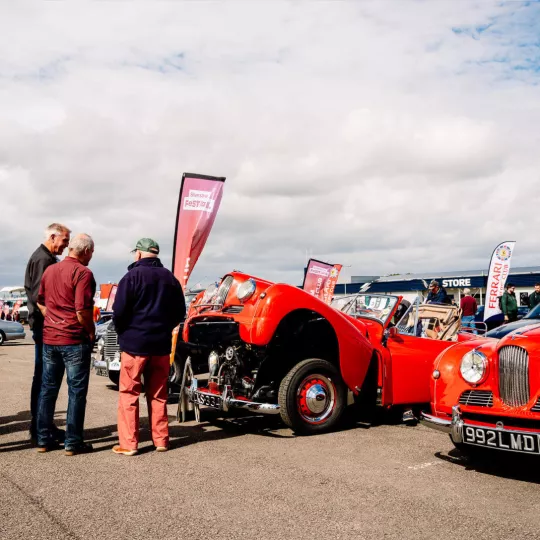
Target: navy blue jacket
x=440 y=297
x=149 y=304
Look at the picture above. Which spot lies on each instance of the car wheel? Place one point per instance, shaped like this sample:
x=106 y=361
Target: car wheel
x=312 y=396
x=2 y=337
x=114 y=377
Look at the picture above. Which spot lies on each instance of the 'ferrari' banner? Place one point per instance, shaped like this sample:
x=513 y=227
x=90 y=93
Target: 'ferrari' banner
x=499 y=268
x=198 y=204
x=320 y=279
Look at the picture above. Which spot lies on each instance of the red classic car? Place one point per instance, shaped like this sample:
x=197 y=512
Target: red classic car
x=275 y=349
x=486 y=393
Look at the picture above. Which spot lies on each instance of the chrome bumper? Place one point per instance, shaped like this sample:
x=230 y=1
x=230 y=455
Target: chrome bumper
x=227 y=401
x=453 y=427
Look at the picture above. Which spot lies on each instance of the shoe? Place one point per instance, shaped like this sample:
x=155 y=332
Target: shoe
x=53 y=445
x=409 y=418
x=83 y=448
x=162 y=448
x=124 y=451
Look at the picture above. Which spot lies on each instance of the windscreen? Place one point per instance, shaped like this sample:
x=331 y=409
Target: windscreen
x=366 y=306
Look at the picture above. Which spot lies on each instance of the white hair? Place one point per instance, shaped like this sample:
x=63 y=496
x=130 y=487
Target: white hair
x=80 y=243
x=55 y=228
x=467 y=291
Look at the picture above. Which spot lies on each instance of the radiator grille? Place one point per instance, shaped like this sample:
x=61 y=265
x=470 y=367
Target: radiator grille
x=536 y=407
x=111 y=342
x=478 y=398
x=514 y=376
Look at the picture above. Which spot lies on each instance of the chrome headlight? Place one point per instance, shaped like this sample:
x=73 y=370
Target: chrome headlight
x=100 y=344
x=246 y=290
x=473 y=367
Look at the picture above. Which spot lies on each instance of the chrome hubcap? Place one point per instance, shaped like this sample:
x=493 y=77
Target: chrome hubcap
x=316 y=398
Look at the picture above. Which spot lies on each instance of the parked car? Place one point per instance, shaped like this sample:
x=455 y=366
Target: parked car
x=486 y=393
x=532 y=317
x=106 y=360
x=496 y=320
x=10 y=331
x=276 y=349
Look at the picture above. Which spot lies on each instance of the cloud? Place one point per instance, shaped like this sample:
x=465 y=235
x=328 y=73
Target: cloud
x=388 y=140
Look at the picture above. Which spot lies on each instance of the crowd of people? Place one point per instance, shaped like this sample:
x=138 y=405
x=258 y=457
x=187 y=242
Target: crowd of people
x=149 y=305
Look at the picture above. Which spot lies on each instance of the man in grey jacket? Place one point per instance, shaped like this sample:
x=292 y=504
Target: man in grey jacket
x=56 y=241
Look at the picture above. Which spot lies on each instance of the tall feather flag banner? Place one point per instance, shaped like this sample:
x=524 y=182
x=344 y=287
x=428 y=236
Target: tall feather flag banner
x=499 y=268
x=198 y=204
x=320 y=279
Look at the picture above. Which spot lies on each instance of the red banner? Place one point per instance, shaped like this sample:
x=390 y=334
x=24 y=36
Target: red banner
x=112 y=296
x=320 y=279
x=200 y=197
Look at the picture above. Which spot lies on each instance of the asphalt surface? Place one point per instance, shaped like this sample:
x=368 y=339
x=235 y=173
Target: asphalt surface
x=250 y=478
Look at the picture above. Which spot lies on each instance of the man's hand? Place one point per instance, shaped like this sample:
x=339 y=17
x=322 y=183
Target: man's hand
x=43 y=310
x=506 y=317
x=86 y=319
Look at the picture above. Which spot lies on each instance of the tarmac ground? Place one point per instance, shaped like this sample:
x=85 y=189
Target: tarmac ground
x=249 y=477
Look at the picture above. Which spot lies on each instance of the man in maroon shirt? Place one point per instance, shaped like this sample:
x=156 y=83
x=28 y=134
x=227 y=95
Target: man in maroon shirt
x=66 y=300
x=469 y=307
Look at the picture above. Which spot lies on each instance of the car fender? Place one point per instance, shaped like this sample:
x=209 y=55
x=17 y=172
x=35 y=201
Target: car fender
x=448 y=387
x=355 y=349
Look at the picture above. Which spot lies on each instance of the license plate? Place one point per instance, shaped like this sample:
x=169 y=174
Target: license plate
x=503 y=440
x=207 y=400
x=102 y=372
x=114 y=365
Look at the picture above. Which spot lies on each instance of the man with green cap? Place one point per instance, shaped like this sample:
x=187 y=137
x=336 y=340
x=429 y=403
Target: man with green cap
x=149 y=304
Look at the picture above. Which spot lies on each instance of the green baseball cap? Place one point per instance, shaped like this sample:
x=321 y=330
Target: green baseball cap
x=147 y=244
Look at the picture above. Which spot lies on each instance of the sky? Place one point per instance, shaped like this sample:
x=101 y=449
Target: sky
x=387 y=136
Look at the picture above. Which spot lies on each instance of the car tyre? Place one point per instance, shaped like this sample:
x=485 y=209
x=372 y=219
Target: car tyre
x=2 y=337
x=312 y=397
x=114 y=377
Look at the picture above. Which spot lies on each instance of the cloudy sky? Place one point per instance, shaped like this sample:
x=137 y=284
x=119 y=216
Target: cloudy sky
x=399 y=136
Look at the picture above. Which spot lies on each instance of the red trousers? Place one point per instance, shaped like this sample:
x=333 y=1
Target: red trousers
x=156 y=375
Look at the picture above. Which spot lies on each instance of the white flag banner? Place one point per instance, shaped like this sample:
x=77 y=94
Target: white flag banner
x=499 y=268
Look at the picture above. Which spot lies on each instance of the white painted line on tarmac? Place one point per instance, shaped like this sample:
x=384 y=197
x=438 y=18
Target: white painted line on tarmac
x=423 y=465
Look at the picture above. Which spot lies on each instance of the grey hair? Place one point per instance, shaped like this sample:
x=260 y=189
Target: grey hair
x=80 y=243
x=55 y=228
x=467 y=291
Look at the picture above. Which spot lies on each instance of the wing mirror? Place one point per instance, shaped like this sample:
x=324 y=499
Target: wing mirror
x=392 y=332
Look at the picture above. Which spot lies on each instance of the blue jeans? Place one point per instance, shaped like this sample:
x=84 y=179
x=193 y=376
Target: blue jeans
x=468 y=322
x=75 y=359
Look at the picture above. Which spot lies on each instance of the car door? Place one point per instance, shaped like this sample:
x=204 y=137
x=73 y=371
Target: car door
x=410 y=367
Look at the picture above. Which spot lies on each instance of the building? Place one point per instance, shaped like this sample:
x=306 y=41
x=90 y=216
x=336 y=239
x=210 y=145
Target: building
x=412 y=285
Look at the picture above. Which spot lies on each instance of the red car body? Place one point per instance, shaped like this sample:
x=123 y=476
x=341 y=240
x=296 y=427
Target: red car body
x=501 y=408
x=283 y=351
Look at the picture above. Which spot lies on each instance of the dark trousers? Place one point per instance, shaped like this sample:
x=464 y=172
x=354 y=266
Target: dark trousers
x=36 y=381
x=75 y=360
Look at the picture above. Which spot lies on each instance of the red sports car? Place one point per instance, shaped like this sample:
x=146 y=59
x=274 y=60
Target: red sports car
x=486 y=393
x=275 y=349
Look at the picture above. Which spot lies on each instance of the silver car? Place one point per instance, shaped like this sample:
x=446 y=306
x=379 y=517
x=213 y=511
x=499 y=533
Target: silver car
x=11 y=330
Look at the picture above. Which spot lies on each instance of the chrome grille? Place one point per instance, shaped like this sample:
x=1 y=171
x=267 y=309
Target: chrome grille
x=223 y=291
x=111 y=342
x=233 y=309
x=536 y=406
x=514 y=375
x=478 y=398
